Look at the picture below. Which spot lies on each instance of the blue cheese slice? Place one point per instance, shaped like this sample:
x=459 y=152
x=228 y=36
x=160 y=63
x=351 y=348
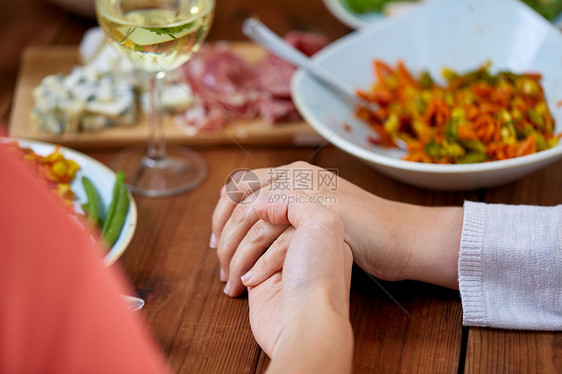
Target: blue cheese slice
x=103 y=93
x=84 y=100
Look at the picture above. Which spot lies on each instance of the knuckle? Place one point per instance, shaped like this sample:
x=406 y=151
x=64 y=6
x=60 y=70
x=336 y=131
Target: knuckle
x=223 y=253
x=264 y=264
x=239 y=215
x=250 y=195
x=330 y=222
x=257 y=232
x=271 y=261
x=235 y=267
x=223 y=194
x=280 y=244
x=224 y=259
x=217 y=221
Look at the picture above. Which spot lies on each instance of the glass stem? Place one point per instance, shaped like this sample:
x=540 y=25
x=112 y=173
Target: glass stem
x=156 y=141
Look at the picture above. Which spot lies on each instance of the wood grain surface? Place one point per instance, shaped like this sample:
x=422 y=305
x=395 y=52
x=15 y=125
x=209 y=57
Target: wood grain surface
x=400 y=327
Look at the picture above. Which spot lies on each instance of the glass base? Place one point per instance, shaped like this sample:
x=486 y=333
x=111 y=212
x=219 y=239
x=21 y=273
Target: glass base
x=181 y=170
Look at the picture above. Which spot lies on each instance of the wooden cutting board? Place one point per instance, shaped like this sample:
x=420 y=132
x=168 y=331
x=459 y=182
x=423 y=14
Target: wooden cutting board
x=38 y=62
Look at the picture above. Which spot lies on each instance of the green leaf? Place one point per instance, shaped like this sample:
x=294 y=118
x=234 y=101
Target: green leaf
x=170 y=31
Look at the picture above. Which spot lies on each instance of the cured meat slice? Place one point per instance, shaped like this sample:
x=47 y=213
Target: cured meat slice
x=226 y=87
x=274 y=74
x=220 y=78
x=278 y=111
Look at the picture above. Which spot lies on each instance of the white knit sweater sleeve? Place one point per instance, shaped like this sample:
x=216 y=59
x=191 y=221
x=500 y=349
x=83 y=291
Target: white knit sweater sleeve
x=510 y=266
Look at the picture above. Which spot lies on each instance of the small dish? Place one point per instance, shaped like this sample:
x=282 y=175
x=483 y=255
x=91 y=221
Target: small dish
x=103 y=179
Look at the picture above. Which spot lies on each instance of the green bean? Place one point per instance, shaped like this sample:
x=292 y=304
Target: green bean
x=121 y=208
x=94 y=206
x=366 y=6
x=119 y=179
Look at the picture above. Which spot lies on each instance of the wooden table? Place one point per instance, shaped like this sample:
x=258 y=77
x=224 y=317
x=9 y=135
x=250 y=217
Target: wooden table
x=170 y=264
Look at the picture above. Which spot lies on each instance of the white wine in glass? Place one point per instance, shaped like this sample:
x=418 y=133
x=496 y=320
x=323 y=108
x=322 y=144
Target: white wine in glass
x=157 y=36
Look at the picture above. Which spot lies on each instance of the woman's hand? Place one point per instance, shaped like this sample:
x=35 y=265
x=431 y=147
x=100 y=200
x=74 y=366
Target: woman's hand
x=390 y=240
x=300 y=315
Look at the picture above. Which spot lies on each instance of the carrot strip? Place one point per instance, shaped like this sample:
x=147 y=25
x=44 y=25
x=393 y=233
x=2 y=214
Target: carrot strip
x=475 y=117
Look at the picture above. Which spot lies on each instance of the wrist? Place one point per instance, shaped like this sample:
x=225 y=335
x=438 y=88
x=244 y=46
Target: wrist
x=320 y=301
x=377 y=237
x=321 y=343
x=433 y=240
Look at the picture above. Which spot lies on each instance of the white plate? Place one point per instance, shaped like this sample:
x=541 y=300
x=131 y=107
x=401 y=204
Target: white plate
x=103 y=179
x=462 y=34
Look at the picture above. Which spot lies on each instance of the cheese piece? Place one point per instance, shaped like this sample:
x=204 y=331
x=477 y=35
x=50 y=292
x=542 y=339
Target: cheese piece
x=84 y=100
x=101 y=94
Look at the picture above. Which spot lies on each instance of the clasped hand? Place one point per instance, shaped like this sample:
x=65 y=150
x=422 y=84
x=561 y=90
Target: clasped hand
x=379 y=232
x=274 y=238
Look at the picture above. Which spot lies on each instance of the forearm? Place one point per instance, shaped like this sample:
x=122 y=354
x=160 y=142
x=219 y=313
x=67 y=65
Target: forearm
x=321 y=343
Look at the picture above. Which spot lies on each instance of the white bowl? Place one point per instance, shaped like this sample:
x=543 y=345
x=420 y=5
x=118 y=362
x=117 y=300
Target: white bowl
x=462 y=34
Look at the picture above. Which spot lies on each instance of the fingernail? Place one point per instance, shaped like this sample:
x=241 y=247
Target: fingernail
x=213 y=241
x=246 y=277
x=227 y=288
x=223 y=276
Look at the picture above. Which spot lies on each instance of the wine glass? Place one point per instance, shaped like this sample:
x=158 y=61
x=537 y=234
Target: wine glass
x=157 y=36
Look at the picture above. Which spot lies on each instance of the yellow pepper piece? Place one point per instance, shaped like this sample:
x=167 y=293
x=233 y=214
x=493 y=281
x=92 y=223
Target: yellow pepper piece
x=72 y=168
x=59 y=168
x=53 y=157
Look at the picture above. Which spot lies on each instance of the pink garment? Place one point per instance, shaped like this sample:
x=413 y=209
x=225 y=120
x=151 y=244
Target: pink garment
x=60 y=308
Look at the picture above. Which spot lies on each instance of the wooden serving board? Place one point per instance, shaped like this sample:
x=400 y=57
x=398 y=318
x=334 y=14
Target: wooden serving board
x=38 y=62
